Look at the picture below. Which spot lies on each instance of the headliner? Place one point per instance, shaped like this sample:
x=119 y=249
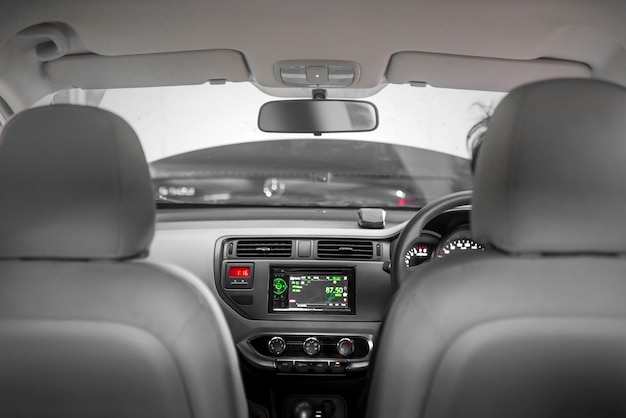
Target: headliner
x=367 y=32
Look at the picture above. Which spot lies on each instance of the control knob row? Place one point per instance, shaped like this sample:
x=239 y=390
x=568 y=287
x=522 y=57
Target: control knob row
x=311 y=346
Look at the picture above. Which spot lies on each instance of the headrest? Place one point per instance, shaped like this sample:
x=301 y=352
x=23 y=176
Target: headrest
x=74 y=184
x=551 y=172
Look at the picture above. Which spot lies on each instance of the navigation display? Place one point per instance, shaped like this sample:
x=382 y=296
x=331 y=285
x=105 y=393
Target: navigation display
x=298 y=290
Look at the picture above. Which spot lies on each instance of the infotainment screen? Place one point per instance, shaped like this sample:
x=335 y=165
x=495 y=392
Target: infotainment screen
x=321 y=290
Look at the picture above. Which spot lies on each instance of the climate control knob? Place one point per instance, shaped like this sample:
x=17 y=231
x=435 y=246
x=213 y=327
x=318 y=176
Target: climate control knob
x=345 y=347
x=312 y=346
x=277 y=346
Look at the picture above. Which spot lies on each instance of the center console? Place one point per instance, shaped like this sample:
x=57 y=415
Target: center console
x=316 y=308
x=296 y=290
x=302 y=283
x=307 y=311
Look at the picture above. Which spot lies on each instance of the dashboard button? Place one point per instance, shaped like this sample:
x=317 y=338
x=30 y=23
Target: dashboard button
x=338 y=367
x=284 y=366
x=302 y=366
x=320 y=367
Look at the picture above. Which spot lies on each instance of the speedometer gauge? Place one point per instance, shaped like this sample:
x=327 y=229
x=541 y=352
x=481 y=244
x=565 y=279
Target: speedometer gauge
x=457 y=241
x=460 y=244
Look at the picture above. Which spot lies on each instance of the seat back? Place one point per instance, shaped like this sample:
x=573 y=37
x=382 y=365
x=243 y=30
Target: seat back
x=536 y=325
x=88 y=328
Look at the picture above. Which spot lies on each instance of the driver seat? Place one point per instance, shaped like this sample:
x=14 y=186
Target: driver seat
x=87 y=328
x=536 y=325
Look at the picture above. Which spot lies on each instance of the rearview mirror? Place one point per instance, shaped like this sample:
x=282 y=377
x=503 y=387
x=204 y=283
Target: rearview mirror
x=318 y=116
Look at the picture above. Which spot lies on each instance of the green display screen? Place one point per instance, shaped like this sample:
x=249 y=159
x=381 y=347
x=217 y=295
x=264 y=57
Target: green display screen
x=297 y=291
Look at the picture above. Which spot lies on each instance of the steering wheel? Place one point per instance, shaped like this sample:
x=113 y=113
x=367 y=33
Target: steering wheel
x=400 y=273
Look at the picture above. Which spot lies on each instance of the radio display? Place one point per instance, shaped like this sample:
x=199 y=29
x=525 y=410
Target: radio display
x=301 y=290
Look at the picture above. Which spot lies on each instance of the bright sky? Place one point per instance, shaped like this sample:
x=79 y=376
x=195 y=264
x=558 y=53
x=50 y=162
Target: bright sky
x=172 y=120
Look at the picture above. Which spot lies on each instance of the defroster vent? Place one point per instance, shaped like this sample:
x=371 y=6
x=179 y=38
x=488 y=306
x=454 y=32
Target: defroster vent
x=345 y=249
x=264 y=248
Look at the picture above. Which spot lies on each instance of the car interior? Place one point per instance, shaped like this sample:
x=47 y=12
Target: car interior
x=312 y=209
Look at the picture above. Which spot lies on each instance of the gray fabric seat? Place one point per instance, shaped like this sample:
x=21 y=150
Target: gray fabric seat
x=536 y=325
x=87 y=329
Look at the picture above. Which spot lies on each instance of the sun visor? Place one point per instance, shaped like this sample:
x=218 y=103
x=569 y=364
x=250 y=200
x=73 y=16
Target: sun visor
x=477 y=73
x=91 y=71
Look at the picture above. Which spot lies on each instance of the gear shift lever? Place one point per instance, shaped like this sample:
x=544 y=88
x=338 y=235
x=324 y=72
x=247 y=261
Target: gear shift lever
x=302 y=409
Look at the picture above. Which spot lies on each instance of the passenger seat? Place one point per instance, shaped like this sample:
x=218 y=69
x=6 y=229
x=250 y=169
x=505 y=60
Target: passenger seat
x=88 y=329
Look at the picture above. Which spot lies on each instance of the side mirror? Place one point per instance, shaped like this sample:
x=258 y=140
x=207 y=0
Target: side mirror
x=318 y=116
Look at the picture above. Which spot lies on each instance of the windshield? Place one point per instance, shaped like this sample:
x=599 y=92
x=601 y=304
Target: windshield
x=203 y=146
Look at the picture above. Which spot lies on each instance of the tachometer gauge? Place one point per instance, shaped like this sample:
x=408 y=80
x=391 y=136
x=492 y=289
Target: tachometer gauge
x=458 y=241
x=417 y=255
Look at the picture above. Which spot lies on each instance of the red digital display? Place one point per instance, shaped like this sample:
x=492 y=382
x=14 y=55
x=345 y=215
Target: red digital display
x=239 y=272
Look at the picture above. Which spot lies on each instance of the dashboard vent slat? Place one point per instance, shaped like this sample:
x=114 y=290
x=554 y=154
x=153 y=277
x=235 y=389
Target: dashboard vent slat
x=345 y=249
x=264 y=248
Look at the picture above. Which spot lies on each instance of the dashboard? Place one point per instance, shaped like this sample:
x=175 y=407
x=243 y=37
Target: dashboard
x=304 y=291
x=292 y=272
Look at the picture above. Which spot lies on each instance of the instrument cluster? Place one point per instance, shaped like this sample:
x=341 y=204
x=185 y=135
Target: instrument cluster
x=431 y=245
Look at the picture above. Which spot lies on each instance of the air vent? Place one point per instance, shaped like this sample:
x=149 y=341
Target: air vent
x=264 y=248
x=345 y=249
